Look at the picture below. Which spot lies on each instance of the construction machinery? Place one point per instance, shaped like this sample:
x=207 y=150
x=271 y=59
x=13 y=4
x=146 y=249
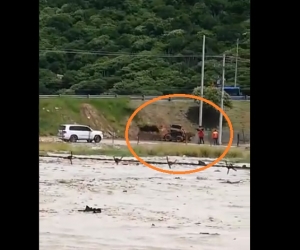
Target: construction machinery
x=175 y=133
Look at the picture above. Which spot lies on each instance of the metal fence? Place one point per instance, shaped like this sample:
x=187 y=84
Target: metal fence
x=239 y=137
x=132 y=97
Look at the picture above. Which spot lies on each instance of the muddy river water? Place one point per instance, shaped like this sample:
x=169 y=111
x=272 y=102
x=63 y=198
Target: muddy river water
x=142 y=209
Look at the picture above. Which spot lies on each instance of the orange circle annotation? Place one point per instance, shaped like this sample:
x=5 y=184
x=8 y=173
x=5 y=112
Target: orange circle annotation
x=145 y=104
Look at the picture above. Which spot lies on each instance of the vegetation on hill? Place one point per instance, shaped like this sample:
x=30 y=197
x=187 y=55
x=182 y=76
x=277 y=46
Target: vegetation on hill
x=149 y=47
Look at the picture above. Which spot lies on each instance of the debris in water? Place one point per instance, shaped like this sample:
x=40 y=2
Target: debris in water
x=229 y=166
x=117 y=160
x=170 y=163
x=90 y=209
x=70 y=157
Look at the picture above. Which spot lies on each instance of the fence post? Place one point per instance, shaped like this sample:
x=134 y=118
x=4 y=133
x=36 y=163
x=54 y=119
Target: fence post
x=238 y=140
x=113 y=138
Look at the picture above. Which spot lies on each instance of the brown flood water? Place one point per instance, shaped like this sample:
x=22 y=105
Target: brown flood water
x=196 y=211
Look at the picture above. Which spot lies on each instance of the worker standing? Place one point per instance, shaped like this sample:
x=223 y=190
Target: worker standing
x=215 y=136
x=201 y=135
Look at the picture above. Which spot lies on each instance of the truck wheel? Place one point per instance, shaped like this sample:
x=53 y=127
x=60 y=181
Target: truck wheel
x=168 y=137
x=73 y=138
x=179 y=138
x=97 y=138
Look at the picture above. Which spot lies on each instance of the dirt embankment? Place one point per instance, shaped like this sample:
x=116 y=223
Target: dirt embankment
x=96 y=119
x=111 y=116
x=150 y=124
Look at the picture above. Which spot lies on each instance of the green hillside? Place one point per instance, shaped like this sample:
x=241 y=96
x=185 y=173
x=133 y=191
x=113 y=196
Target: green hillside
x=149 y=47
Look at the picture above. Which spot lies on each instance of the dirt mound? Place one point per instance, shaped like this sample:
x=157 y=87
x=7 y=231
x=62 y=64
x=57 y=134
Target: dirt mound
x=165 y=114
x=149 y=128
x=151 y=132
x=96 y=120
x=156 y=133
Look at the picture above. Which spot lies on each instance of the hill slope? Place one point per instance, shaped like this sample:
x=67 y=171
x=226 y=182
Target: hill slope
x=111 y=115
x=149 y=47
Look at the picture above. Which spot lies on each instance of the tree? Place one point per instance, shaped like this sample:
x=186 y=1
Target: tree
x=140 y=47
x=213 y=94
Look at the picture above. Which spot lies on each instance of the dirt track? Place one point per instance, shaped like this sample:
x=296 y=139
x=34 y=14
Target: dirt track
x=123 y=142
x=197 y=211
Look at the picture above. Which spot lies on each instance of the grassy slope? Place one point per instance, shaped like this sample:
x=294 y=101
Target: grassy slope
x=240 y=115
x=112 y=114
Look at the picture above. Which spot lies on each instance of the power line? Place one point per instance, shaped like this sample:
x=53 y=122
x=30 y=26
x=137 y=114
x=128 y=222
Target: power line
x=105 y=53
x=166 y=90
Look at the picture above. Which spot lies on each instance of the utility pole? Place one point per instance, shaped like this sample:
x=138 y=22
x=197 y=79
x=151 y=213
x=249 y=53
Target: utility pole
x=236 y=62
x=222 y=101
x=202 y=82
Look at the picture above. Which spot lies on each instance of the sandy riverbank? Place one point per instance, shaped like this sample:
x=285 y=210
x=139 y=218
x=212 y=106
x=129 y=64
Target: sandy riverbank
x=183 y=209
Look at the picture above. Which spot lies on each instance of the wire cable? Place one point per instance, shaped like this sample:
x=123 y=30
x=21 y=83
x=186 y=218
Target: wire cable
x=105 y=53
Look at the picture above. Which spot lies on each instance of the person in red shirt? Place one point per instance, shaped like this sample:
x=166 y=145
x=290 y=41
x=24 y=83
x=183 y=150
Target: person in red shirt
x=201 y=135
x=215 y=136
